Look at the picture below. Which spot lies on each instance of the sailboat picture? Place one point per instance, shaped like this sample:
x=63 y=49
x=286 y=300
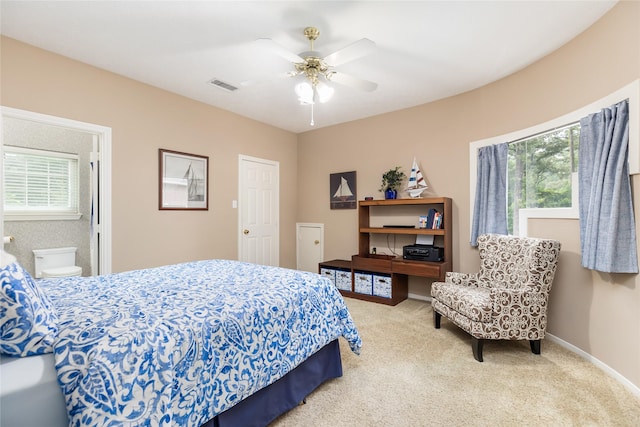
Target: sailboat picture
x=342 y=190
x=183 y=181
x=416 y=184
x=195 y=184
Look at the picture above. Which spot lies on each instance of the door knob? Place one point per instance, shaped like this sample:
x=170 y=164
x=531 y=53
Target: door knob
x=317 y=242
x=245 y=231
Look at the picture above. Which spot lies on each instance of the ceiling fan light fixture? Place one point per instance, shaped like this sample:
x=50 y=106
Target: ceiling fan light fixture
x=310 y=94
x=324 y=92
x=304 y=90
x=313 y=71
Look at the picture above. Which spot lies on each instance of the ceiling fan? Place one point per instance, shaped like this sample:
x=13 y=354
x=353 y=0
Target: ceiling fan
x=319 y=70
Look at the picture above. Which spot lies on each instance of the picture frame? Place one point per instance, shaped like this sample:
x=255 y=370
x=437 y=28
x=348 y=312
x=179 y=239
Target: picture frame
x=183 y=181
x=343 y=190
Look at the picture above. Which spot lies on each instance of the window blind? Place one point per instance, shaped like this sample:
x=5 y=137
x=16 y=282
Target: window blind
x=40 y=181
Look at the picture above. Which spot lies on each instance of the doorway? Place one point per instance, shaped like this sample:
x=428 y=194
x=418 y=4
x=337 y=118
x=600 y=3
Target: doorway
x=258 y=211
x=97 y=145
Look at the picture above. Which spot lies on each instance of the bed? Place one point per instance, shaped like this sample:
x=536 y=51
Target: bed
x=206 y=343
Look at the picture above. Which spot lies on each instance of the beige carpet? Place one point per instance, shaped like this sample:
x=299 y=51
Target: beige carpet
x=411 y=374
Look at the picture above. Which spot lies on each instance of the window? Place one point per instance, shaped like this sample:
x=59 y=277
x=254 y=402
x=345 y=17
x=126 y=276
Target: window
x=40 y=184
x=551 y=192
x=540 y=172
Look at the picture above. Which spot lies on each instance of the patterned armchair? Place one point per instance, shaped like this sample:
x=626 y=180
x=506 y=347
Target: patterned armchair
x=507 y=299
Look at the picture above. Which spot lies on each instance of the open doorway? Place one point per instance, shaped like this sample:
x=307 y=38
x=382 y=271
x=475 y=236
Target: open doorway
x=90 y=230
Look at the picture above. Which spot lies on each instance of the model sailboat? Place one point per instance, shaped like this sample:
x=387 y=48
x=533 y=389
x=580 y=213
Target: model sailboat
x=417 y=183
x=343 y=192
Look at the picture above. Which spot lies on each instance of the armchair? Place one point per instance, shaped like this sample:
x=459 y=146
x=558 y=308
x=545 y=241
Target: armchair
x=507 y=299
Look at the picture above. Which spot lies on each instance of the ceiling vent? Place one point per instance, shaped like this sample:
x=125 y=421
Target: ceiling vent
x=222 y=85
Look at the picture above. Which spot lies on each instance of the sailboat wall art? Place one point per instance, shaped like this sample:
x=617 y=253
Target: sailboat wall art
x=342 y=189
x=416 y=184
x=184 y=180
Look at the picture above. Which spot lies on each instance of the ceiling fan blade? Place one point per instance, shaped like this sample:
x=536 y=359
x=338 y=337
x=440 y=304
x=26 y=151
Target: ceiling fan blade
x=353 y=51
x=279 y=50
x=348 y=80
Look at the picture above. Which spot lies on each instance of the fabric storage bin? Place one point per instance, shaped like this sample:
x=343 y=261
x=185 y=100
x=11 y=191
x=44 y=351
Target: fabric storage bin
x=382 y=286
x=329 y=273
x=343 y=280
x=363 y=283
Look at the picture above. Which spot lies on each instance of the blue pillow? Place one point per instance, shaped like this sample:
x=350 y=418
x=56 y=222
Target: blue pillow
x=28 y=322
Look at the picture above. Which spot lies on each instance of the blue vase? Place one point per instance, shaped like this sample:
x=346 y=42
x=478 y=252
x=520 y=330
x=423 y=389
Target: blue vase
x=390 y=194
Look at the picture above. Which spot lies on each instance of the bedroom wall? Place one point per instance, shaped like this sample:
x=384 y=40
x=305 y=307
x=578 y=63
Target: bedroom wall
x=597 y=313
x=144 y=119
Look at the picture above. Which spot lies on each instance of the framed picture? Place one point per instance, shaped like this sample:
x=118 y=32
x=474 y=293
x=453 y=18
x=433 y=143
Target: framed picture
x=342 y=187
x=184 y=181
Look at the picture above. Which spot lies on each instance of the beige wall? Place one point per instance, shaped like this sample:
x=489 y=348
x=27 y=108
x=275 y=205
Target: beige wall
x=144 y=119
x=598 y=313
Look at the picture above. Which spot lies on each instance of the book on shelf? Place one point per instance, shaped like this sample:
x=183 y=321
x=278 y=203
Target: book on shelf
x=437 y=221
x=433 y=220
x=430 y=216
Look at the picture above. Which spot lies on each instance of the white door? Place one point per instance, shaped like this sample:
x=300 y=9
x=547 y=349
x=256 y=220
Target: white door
x=310 y=246
x=258 y=210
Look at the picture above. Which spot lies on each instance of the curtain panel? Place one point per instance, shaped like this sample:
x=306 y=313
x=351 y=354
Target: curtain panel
x=490 y=208
x=607 y=226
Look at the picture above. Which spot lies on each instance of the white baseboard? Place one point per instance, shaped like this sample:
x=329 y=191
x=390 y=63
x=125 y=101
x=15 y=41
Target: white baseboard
x=419 y=297
x=635 y=390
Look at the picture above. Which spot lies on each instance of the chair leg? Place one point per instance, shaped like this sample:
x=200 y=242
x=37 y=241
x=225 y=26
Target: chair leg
x=535 y=346
x=476 y=345
x=436 y=319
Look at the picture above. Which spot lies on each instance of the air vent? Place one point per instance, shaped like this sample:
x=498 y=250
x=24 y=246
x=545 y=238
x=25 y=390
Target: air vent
x=222 y=85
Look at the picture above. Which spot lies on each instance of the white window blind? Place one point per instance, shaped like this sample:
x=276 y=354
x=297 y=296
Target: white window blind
x=40 y=182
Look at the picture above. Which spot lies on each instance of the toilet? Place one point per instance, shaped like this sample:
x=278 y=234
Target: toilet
x=56 y=262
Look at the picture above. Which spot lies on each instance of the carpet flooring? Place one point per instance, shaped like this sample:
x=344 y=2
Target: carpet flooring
x=411 y=374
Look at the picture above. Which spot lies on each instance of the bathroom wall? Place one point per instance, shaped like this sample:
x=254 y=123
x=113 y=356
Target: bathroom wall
x=30 y=235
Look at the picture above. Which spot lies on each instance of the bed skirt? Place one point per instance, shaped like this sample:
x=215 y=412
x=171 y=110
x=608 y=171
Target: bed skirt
x=42 y=391
x=264 y=406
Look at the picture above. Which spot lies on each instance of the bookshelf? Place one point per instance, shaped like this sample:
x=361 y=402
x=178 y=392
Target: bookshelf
x=374 y=218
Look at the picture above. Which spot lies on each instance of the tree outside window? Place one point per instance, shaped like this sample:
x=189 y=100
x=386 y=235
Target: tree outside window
x=540 y=171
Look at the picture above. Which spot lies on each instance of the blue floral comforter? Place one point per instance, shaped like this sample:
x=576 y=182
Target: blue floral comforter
x=177 y=345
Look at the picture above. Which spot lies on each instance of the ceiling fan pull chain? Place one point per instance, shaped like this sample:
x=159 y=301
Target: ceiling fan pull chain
x=312 y=122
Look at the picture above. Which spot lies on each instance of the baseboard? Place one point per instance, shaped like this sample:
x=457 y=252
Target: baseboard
x=635 y=390
x=419 y=297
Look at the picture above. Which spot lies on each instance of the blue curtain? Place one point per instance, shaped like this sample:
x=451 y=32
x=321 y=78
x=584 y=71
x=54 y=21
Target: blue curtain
x=607 y=227
x=490 y=210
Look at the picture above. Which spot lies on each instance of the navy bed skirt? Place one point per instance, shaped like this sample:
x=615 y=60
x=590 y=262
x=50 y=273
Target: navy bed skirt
x=264 y=406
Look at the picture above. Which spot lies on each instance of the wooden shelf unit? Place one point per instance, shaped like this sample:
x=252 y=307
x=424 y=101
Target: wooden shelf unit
x=399 y=268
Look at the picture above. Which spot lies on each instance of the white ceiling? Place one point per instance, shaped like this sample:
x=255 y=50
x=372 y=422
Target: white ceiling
x=426 y=50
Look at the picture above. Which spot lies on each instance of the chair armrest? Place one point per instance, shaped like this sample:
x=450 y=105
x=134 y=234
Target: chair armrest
x=464 y=279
